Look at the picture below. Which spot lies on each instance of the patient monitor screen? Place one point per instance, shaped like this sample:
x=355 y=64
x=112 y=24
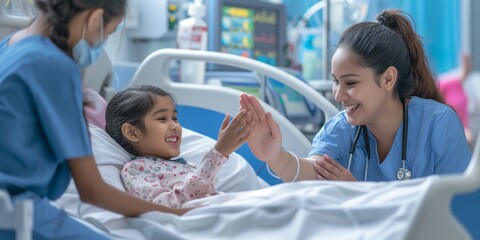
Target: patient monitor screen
x=294 y=104
x=251 y=33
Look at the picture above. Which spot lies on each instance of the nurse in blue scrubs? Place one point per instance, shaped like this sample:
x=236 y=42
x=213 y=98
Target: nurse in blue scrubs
x=395 y=124
x=44 y=139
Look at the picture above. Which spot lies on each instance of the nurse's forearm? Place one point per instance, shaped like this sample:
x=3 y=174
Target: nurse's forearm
x=285 y=167
x=110 y=198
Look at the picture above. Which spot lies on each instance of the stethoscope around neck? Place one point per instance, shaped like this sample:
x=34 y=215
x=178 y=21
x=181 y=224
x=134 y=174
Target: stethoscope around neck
x=402 y=173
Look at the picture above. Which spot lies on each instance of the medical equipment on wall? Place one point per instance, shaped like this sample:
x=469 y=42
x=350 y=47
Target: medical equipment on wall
x=192 y=35
x=153 y=19
x=149 y=25
x=252 y=29
x=403 y=172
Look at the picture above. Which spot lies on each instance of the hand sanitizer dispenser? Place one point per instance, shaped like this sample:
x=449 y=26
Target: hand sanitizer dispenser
x=192 y=34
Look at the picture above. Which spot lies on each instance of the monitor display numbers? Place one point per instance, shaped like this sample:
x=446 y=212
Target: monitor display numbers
x=250 y=33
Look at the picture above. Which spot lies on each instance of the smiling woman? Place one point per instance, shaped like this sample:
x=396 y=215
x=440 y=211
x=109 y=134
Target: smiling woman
x=143 y=120
x=382 y=78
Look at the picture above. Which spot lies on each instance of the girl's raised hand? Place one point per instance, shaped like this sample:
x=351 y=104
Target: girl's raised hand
x=233 y=134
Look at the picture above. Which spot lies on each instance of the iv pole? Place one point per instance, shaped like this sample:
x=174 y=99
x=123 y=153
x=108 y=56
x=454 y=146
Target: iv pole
x=326 y=35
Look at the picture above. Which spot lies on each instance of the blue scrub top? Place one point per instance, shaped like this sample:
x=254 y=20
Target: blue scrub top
x=41 y=117
x=436 y=144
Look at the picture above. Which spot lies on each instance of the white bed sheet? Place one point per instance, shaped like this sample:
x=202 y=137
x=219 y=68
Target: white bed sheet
x=302 y=210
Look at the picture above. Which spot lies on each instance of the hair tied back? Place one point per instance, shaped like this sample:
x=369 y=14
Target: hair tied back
x=387 y=19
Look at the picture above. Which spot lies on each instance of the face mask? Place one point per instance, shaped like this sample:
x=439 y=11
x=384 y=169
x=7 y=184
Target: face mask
x=83 y=53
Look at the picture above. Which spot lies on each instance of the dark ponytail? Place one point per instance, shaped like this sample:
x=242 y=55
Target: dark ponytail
x=393 y=42
x=425 y=85
x=59 y=13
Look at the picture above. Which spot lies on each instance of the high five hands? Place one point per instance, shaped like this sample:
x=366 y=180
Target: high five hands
x=265 y=143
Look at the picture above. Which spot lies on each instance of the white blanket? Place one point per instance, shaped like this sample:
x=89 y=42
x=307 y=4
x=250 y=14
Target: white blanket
x=303 y=210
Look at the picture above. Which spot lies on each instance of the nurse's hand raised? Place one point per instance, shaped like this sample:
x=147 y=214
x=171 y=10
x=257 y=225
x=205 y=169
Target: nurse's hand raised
x=266 y=139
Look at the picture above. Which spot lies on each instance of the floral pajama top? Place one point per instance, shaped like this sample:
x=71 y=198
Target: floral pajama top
x=171 y=182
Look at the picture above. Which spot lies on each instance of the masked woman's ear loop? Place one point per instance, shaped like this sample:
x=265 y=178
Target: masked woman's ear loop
x=93 y=22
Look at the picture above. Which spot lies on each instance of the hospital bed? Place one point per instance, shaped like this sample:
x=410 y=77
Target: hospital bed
x=413 y=209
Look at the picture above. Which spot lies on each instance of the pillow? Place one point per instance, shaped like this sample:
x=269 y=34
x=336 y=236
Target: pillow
x=235 y=175
x=94 y=107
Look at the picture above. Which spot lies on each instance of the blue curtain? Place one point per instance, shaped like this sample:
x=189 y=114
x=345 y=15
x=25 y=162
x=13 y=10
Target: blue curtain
x=436 y=21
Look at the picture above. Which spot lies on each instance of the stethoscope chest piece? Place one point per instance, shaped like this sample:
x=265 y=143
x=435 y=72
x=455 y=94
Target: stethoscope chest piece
x=403 y=174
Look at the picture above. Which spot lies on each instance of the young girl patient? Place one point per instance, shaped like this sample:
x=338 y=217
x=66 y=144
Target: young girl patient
x=143 y=120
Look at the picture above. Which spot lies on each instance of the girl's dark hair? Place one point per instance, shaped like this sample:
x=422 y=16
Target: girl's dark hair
x=60 y=12
x=392 y=41
x=130 y=106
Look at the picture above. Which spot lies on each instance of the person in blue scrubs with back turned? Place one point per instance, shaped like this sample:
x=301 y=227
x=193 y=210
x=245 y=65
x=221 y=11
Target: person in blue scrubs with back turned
x=395 y=125
x=44 y=134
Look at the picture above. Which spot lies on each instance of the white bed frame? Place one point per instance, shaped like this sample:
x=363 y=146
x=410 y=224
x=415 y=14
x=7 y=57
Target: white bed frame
x=17 y=217
x=439 y=202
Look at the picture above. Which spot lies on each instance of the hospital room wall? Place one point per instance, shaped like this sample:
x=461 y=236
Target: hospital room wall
x=122 y=48
x=438 y=22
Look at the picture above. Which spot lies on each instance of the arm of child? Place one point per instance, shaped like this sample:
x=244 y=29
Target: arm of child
x=92 y=189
